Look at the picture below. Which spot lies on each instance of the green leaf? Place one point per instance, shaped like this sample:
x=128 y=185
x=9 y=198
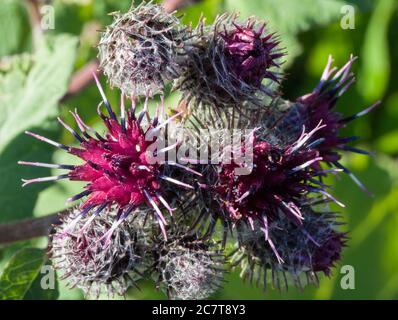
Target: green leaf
x=14 y=27
x=28 y=100
x=375 y=74
x=388 y=143
x=289 y=17
x=20 y=273
x=209 y=9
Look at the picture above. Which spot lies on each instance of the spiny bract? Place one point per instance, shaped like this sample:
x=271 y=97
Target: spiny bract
x=82 y=257
x=139 y=51
x=188 y=267
x=299 y=253
x=227 y=63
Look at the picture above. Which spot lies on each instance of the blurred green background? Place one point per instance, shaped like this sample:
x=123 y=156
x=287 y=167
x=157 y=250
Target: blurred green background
x=35 y=70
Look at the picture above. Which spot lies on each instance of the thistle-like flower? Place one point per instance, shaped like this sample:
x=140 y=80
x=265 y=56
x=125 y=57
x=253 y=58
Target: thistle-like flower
x=228 y=63
x=85 y=261
x=138 y=52
x=278 y=180
x=318 y=106
x=250 y=53
x=303 y=251
x=188 y=267
x=121 y=168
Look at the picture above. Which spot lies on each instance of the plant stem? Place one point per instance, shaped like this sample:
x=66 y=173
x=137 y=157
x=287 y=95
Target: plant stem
x=81 y=79
x=33 y=8
x=28 y=228
x=172 y=5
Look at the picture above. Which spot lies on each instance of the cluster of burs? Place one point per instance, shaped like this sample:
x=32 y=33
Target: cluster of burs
x=184 y=224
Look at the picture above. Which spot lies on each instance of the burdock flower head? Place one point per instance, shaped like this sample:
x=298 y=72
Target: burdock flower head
x=250 y=53
x=120 y=168
x=188 y=266
x=83 y=258
x=228 y=62
x=138 y=51
x=319 y=106
x=278 y=181
x=303 y=251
